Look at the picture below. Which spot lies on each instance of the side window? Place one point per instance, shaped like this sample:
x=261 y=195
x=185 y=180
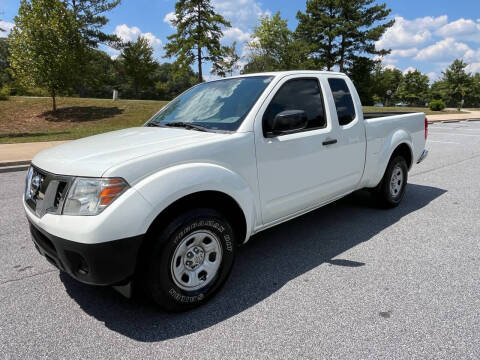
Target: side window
x=343 y=101
x=298 y=94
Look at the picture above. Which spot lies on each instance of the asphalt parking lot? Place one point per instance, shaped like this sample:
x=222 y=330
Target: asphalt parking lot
x=346 y=281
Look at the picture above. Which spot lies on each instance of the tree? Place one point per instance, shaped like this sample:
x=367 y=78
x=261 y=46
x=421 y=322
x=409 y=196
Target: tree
x=137 y=60
x=43 y=46
x=4 y=62
x=89 y=18
x=198 y=35
x=274 y=47
x=386 y=81
x=339 y=31
x=100 y=76
x=361 y=74
x=228 y=62
x=456 y=83
x=414 y=88
x=169 y=84
x=473 y=96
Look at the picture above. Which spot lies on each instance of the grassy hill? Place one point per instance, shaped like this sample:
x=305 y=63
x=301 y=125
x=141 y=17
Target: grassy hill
x=30 y=119
x=24 y=119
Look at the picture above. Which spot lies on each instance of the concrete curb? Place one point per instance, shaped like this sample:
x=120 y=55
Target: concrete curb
x=12 y=166
x=449 y=121
x=14 y=163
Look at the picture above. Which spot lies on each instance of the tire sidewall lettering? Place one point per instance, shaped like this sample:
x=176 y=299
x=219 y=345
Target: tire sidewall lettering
x=208 y=224
x=184 y=298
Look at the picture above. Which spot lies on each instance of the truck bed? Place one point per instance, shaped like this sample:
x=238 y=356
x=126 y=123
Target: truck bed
x=374 y=115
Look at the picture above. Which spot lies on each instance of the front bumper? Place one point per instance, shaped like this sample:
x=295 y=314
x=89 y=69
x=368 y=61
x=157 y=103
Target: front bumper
x=107 y=263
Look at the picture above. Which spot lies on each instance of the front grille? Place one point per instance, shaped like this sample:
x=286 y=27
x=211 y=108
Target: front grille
x=45 y=192
x=60 y=194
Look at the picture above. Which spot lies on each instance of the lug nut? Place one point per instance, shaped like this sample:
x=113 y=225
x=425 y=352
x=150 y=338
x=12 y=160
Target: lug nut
x=189 y=255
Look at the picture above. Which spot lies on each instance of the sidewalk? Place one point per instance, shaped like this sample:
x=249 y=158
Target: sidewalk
x=451 y=117
x=18 y=154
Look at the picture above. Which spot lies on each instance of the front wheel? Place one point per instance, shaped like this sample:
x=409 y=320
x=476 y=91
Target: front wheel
x=190 y=260
x=391 y=190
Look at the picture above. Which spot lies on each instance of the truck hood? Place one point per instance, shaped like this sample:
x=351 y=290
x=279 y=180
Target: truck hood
x=94 y=155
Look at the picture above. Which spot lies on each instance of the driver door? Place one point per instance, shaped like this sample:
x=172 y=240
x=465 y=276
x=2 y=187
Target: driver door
x=296 y=171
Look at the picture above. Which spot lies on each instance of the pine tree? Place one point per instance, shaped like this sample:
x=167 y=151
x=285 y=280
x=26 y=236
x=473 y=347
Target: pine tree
x=198 y=34
x=319 y=28
x=88 y=14
x=228 y=62
x=89 y=18
x=339 y=31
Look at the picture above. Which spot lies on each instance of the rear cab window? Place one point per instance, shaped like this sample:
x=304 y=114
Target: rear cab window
x=343 y=101
x=298 y=94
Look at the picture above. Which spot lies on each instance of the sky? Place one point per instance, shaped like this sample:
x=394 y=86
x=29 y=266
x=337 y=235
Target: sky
x=428 y=34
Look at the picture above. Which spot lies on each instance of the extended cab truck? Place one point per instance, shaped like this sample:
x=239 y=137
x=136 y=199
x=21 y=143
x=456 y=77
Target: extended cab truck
x=167 y=204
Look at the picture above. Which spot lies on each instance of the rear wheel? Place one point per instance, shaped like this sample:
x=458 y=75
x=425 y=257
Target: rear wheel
x=391 y=189
x=190 y=260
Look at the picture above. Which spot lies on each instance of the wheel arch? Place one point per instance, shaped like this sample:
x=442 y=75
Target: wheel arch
x=405 y=151
x=212 y=199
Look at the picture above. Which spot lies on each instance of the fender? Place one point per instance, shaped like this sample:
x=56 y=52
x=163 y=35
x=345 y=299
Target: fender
x=173 y=183
x=390 y=144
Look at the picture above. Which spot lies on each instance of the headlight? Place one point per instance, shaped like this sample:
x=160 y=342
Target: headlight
x=89 y=196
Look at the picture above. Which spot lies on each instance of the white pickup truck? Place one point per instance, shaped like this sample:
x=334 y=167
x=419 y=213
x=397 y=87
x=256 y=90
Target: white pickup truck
x=166 y=204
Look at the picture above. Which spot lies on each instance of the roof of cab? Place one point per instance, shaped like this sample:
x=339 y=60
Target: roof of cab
x=284 y=73
x=292 y=72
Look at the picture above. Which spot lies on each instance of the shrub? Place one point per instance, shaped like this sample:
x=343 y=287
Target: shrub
x=4 y=93
x=436 y=105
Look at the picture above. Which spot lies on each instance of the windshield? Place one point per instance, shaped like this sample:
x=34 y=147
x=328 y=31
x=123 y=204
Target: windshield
x=216 y=105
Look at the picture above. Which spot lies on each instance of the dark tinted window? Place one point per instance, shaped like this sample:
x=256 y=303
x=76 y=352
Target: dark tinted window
x=343 y=101
x=298 y=94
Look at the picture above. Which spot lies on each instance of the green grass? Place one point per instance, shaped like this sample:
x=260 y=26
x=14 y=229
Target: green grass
x=30 y=119
x=412 y=109
x=24 y=119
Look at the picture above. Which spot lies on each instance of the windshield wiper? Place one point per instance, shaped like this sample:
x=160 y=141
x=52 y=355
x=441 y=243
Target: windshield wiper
x=186 y=125
x=153 y=124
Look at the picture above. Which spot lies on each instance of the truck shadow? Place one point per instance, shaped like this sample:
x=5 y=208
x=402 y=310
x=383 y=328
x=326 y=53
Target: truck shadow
x=269 y=261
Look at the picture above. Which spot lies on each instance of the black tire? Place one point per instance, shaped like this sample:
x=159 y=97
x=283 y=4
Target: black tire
x=386 y=197
x=158 y=278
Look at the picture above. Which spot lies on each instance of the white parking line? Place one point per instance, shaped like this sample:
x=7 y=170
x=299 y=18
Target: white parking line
x=442 y=133
x=443 y=142
x=455 y=128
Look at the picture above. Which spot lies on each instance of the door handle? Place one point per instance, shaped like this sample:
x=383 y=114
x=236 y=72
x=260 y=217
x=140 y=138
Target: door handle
x=329 y=142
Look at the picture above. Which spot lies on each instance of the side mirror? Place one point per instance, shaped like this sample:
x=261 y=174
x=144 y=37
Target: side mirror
x=287 y=122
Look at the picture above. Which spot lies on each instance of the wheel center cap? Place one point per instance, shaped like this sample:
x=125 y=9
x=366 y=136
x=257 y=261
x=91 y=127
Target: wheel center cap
x=194 y=258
